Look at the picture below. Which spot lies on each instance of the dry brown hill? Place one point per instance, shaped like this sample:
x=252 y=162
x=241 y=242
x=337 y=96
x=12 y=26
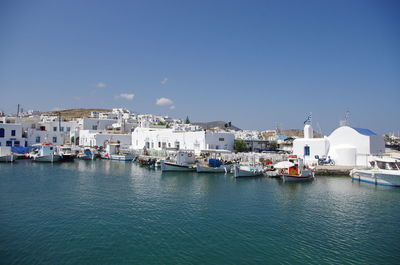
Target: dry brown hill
x=69 y=114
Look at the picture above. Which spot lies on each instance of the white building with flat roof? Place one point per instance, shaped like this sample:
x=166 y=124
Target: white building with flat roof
x=165 y=138
x=11 y=134
x=99 y=138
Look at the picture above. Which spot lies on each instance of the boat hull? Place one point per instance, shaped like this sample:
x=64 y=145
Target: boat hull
x=171 y=167
x=290 y=178
x=207 y=169
x=7 y=158
x=125 y=158
x=47 y=159
x=246 y=172
x=67 y=158
x=86 y=157
x=377 y=178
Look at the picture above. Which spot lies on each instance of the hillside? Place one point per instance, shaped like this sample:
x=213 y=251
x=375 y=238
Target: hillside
x=299 y=133
x=69 y=114
x=214 y=124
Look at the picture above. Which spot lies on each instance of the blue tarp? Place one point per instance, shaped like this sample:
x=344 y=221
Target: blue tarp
x=212 y=162
x=20 y=150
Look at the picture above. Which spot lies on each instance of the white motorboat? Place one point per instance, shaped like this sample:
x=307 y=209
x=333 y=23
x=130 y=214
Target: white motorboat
x=247 y=171
x=185 y=161
x=45 y=153
x=6 y=155
x=383 y=171
x=87 y=154
x=294 y=170
x=113 y=152
x=65 y=152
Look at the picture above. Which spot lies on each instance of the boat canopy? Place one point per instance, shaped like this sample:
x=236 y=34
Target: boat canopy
x=284 y=164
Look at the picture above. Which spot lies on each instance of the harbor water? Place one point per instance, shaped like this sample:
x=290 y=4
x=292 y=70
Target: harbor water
x=110 y=212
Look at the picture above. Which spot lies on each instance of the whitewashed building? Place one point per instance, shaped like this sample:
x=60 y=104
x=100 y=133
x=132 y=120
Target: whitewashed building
x=161 y=139
x=11 y=134
x=354 y=146
x=346 y=145
x=99 y=138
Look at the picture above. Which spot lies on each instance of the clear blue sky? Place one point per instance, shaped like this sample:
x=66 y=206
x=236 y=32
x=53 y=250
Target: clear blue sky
x=255 y=63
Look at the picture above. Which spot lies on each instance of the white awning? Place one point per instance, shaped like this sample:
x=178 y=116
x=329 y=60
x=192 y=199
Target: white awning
x=283 y=164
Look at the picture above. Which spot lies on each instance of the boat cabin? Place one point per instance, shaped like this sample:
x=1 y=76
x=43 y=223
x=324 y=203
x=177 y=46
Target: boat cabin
x=185 y=157
x=44 y=149
x=385 y=164
x=112 y=148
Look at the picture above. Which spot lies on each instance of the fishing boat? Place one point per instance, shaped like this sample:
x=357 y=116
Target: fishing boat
x=146 y=161
x=185 y=161
x=240 y=171
x=382 y=171
x=87 y=154
x=66 y=153
x=294 y=170
x=113 y=152
x=214 y=166
x=45 y=152
x=6 y=155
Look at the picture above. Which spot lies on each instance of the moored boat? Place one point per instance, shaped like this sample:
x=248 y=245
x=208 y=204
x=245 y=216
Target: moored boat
x=214 y=166
x=6 y=155
x=113 y=152
x=382 y=171
x=66 y=153
x=185 y=161
x=240 y=171
x=87 y=154
x=294 y=170
x=45 y=153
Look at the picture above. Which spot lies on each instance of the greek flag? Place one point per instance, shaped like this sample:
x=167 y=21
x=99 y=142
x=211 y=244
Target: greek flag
x=308 y=120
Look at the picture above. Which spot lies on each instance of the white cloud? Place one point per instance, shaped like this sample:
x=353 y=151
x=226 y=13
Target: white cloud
x=101 y=85
x=164 y=102
x=172 y=107
x=164 y=81
x=125 y=96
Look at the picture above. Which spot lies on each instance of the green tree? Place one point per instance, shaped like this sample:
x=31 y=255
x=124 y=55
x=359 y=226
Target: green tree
x=72 y=140
x=187 y=121
x=239 y=146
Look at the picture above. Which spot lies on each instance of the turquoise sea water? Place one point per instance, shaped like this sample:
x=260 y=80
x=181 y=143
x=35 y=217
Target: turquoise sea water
x=110 y=212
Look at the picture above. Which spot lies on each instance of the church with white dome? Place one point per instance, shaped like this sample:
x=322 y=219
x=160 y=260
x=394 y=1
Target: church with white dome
x=347 y=146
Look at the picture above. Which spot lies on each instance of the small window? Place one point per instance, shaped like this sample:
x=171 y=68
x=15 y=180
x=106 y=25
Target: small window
x=12 y=132
x=1 y=133
x=221 y=139
x=37 y=139
x=55 y=129
x=306 y=150
x=9 y=143
x=61 y=129
x=159 y=144
x=42 y=128
x=68 y=129
x=54 y=139
x=94 y=127
x=16 y=143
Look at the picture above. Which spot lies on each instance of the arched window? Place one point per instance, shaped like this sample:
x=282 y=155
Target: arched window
x=1 y=132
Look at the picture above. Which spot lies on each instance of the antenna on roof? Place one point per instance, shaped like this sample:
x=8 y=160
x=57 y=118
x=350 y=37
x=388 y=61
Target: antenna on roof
x=319 y=129
x=308 y=119
x=345 y=122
